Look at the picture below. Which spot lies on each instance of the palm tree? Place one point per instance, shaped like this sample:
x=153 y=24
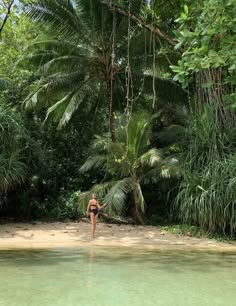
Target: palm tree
x=84 y=59
x=130 y=163
x=21 y=156
x=77 y=58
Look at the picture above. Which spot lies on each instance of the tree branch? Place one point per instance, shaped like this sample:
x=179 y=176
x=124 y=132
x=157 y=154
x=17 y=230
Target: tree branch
x=7 y=15
x=139 y=20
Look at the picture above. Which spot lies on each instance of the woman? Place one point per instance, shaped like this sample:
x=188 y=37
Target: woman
x=92 y=210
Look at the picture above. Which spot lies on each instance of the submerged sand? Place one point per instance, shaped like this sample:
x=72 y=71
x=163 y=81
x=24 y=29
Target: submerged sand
x=78 y=234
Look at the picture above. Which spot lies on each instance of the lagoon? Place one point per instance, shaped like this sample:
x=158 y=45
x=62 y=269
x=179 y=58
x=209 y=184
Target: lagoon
x=116 y=276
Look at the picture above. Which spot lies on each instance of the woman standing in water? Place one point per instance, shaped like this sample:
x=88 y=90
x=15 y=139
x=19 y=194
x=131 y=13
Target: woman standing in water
x=93 y=210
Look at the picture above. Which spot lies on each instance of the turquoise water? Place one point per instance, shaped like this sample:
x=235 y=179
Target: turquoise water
x=110 y=277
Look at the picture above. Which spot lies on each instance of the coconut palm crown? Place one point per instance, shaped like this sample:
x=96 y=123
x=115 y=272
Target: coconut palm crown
x=84 y=59
x=131 y=162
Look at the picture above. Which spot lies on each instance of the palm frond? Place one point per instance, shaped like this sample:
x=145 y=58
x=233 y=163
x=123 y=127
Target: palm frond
x=12 y=129
x=116 y=196
x=32 y=101
x=12 y=170
x=60 y=16
x=166 y=168
x=99 y=189
x=67 y=61
x=94 y=162
x=101 y=143
x=139 y=129
x=152 y=176
x=166 y=90
x=77 y=99
x=151 y=158
x=171 y=168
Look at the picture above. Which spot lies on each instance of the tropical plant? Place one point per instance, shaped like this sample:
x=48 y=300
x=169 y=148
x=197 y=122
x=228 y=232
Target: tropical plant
x=13 y=168
x=8 y=7
x=129 y=163
x=4 y=83
x=77 y=58
x=66 y=207
x=92 y=55
x=17 y=33
x=207 y=34
x=206 y=194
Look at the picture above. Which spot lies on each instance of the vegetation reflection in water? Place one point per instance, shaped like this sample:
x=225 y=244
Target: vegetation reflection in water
x=116 y=277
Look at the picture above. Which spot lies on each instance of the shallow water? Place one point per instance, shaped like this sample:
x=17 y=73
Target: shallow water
x=110 y=277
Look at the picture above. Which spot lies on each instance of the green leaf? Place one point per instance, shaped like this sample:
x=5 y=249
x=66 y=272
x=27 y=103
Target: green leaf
x=212 y=53
x=186 y=10
x=232 y=67
x=183 y=16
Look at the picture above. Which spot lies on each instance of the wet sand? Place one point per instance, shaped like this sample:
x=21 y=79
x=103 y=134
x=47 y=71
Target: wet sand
x=78 y=234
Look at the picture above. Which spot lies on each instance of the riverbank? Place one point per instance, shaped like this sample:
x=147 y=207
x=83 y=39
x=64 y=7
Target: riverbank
x=78 y=234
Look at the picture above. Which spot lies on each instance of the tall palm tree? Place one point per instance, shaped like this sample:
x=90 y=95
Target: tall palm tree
x=77 y=57
x=129 y=163
x=85 y=59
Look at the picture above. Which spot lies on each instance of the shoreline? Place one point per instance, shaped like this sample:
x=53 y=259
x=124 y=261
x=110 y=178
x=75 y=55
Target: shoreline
x=59 y=235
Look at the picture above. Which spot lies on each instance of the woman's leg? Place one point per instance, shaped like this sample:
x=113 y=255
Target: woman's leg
x=93 y=222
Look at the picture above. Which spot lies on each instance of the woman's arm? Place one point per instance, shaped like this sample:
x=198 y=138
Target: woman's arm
x=101 y=206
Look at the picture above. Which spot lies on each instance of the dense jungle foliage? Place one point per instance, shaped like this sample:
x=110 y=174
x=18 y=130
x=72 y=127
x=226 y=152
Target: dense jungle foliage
x=131 y=99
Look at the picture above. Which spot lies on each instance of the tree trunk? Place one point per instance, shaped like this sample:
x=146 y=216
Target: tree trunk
x=110 y=110
x=210 y=90
x=139 y=215
x=136 y=212
x=118 y=220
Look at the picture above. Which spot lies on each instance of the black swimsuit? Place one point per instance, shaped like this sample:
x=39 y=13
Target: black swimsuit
x=93 y=210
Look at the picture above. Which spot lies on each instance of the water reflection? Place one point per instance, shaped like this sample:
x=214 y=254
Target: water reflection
x=90 y=282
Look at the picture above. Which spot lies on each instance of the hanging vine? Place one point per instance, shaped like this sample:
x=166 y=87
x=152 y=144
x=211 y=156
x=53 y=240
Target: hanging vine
x=154 y=75
x=6 y=16
x=128 y=80
x=109 y=76
x=130 y=98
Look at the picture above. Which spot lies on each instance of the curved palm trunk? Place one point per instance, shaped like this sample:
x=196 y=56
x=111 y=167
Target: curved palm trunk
x=139 y=215
x=136 y=212
x=110 y=110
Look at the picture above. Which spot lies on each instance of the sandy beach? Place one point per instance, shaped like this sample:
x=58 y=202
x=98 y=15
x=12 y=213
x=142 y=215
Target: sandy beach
x=78 y=234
